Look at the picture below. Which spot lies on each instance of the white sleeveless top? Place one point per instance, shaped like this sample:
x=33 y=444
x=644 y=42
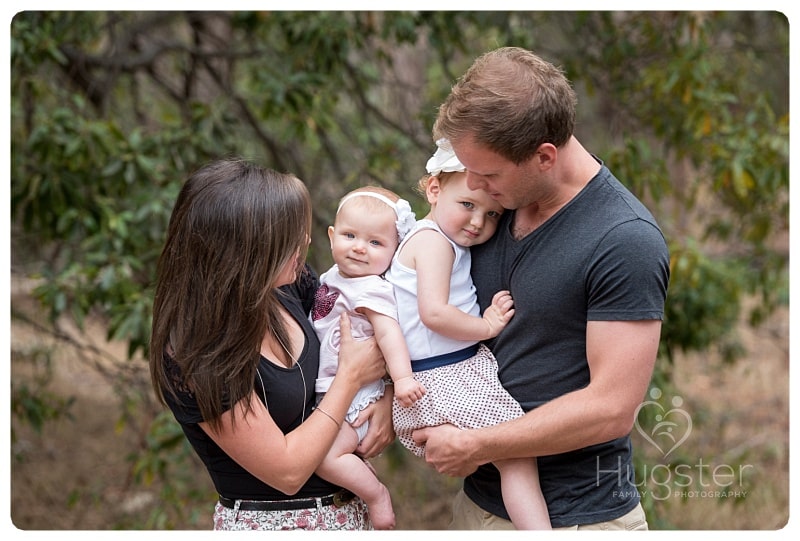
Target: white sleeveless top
x=423 y=342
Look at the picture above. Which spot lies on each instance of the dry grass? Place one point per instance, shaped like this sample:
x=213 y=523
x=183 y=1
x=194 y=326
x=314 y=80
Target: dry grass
x=739 y=441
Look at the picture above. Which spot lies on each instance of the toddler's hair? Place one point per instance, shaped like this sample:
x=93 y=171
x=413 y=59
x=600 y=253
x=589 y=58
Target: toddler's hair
x=444 y=177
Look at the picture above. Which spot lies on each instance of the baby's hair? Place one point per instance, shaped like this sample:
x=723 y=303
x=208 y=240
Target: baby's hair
x=370 y=204
x=379 y=190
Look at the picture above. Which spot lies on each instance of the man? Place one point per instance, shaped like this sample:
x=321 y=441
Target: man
x=588 y=269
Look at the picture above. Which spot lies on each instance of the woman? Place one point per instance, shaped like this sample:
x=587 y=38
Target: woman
x=234 y=356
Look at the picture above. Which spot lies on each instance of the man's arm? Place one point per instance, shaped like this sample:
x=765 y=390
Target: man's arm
x=621 y=357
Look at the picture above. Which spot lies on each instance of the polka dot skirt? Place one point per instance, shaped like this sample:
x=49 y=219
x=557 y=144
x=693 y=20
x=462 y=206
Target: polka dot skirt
x=466 y=394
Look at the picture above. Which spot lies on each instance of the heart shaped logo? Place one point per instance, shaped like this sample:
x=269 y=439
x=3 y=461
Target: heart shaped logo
x=672 y=427
x=323 y=302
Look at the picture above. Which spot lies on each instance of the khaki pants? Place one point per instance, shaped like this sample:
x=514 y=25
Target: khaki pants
x=468 y=516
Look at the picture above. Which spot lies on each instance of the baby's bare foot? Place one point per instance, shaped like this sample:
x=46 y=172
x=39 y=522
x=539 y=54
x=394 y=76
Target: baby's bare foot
x=381 y=511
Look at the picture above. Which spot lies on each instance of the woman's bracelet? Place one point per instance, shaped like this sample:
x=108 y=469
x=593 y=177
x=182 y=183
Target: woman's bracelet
x=329 y=416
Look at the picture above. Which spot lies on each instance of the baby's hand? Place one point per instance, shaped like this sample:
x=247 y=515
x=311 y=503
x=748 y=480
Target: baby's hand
x=499 y=313
x=407 y=390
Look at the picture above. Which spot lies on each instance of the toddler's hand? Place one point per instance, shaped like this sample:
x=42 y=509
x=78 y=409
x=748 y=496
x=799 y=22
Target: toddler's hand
x=499 y=313
x=407 y=390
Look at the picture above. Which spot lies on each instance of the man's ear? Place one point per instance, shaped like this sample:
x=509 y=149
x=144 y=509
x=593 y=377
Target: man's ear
x=545 y=156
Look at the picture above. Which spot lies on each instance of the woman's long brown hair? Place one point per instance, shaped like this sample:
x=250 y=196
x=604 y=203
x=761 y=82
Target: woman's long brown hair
x=234 y=227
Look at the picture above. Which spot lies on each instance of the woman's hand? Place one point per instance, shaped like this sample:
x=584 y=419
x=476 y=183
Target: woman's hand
x=381 y=431
x=359 y=360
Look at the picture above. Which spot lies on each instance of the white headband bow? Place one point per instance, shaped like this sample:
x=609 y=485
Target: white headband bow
x=444 y=160
x=405 y=216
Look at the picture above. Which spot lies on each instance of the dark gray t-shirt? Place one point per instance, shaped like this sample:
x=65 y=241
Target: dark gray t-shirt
x=601 y=257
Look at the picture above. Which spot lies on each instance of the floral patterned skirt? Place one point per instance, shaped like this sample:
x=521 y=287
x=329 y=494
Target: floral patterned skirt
x=353 y=515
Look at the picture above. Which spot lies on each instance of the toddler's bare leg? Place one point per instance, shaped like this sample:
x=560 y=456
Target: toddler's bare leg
x=522 y=495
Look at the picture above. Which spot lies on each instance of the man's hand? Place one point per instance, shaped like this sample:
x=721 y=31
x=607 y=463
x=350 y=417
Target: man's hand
x=446 y=449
